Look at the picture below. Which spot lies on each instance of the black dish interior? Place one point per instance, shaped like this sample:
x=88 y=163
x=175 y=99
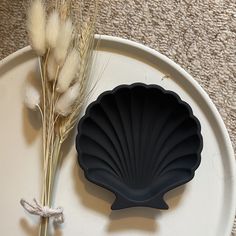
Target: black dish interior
x=139 y=141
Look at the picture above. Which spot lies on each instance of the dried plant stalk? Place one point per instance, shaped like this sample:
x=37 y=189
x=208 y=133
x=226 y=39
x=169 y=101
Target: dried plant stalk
x=56 y=125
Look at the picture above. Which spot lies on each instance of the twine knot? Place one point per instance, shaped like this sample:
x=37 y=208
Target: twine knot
x=43 y=211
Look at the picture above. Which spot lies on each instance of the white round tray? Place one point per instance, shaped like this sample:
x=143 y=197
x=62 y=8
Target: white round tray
x=205 y=206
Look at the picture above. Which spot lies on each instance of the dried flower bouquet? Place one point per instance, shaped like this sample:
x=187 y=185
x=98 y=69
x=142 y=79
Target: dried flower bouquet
x=65 y=51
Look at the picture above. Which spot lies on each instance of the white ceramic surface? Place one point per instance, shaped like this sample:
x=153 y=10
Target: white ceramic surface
x=205 y=206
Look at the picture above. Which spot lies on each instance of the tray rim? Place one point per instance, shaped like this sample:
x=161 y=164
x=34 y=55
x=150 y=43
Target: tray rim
x=222 y=128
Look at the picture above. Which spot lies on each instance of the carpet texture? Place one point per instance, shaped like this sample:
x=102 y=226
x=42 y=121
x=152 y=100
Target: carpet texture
x=199 y=35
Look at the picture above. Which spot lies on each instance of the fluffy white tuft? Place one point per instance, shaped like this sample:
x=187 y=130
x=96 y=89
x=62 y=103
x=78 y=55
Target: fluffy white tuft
x=36 y=27
x=63 y=41
x=52 y=29
x=68 y=71
x=51 y=67
x=66 y=101
x=32 y=97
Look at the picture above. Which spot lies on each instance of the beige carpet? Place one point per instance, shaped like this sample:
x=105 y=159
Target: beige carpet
x=200 y=35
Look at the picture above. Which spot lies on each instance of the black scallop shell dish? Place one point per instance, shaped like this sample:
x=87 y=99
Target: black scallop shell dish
x=139 y=141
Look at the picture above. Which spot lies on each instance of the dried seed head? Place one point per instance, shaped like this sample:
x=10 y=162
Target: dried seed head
x=63 y=41
x=32 y=97
x=68 y=71
x=36 y=27
x=52 y=29
x=52 y=67
x=67 y=100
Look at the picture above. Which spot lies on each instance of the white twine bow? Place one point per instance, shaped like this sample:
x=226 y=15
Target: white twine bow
x=43 y=211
